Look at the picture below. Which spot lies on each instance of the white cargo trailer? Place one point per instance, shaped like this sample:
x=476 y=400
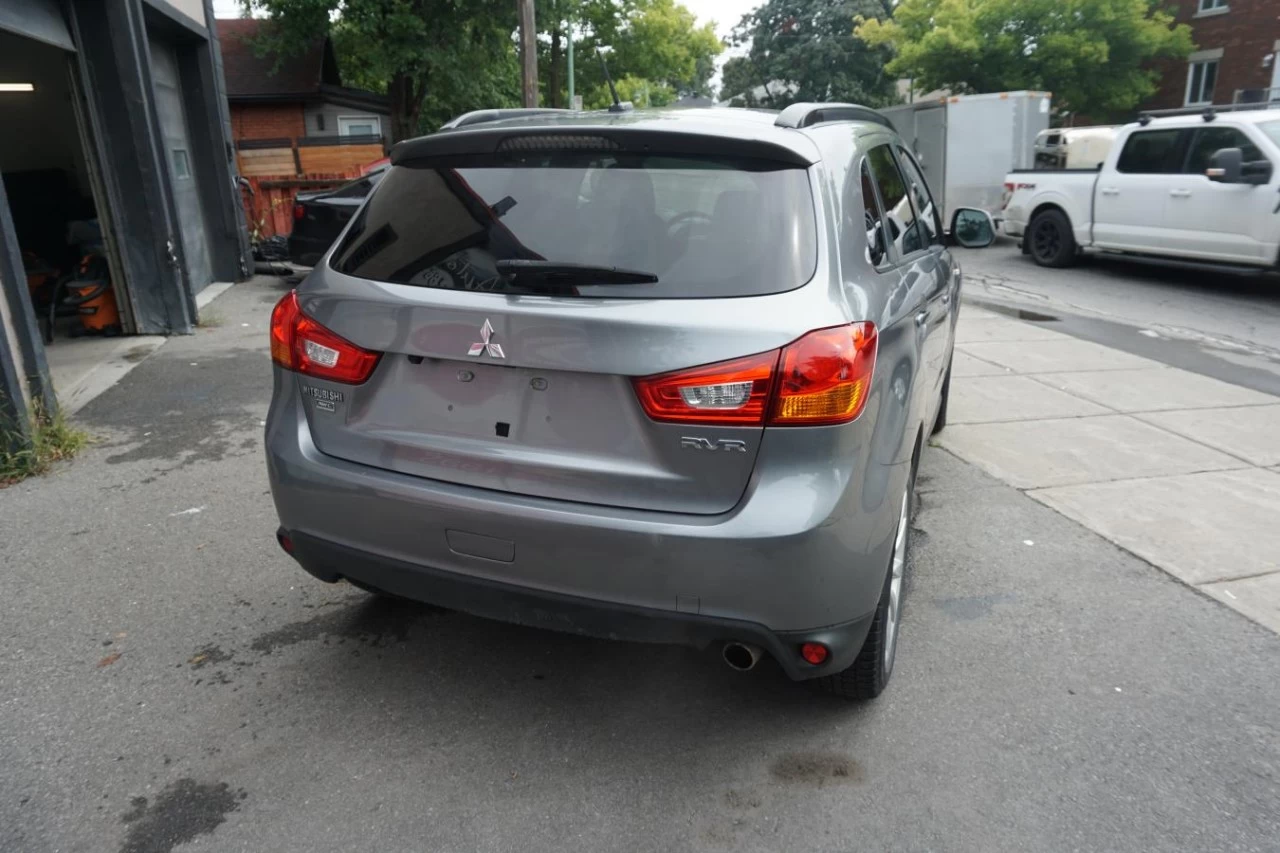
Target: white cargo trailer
x=967 y=144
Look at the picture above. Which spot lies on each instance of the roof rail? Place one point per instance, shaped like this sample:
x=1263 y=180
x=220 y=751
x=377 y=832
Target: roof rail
x=1207 y=112
x=807 y=115
x=481 y=116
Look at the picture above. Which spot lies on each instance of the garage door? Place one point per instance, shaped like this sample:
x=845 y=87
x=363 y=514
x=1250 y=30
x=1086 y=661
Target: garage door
x=181 y=160
x=37 y=19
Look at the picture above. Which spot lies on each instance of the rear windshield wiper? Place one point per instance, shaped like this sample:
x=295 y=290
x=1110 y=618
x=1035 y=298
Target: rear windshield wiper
x=558 y=273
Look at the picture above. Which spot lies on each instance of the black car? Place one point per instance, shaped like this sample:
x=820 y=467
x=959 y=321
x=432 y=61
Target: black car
x=319 y=217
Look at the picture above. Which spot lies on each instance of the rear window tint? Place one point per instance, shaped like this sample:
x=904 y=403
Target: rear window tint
x=1153 y=152
x=705 y=228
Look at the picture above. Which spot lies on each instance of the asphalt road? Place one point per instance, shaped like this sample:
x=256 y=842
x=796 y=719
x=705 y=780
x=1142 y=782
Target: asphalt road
x=1220 y=323
x=169 y=679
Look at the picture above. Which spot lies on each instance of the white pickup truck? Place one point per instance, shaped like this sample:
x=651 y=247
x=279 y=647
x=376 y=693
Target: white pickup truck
x=1198 y=188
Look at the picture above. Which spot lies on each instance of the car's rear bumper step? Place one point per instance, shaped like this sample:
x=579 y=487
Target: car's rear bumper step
x=331 y=562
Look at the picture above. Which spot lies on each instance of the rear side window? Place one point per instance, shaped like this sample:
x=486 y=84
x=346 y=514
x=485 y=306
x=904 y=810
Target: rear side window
x=705 y=228
x=1153 y=152
x=899 y=213
x=873 y=222
x=1207 y=140
x=929 y=222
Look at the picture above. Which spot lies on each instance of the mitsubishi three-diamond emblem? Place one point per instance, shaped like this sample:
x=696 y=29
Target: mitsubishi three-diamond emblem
x=486 y=344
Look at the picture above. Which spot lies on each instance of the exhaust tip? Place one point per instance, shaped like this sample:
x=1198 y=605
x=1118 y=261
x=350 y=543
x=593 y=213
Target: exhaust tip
x=741 y=656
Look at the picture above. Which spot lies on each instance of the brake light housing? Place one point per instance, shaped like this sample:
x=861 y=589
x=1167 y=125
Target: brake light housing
x=820 y=379
x=299 y=211
x=300 y=344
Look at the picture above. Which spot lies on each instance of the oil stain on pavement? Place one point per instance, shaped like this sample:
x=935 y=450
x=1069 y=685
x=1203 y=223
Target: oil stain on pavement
x=183 y=811
x=816 y=768
x=378 y=622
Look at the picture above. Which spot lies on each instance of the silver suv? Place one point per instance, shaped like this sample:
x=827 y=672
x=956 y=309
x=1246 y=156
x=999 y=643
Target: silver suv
x=651 y=376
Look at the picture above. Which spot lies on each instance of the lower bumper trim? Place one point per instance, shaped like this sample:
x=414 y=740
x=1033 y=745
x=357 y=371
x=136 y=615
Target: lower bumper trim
x=330 y=562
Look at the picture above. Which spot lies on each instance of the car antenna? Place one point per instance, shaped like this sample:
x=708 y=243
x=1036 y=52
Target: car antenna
x=618 y=106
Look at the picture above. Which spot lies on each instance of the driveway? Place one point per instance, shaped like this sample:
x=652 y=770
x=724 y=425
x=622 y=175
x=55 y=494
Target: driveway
x=169 y=679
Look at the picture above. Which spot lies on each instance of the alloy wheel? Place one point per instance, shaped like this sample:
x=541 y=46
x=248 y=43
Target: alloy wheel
x=895 y=584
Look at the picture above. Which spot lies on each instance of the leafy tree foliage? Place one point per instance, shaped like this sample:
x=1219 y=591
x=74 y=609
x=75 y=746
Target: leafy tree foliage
x=805 y=50
x=433 y=58
x=1093 y=55
x=655 y=44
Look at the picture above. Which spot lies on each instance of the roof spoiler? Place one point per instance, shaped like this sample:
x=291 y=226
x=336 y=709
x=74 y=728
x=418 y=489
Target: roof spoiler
x=593 y=136
x=807 y=115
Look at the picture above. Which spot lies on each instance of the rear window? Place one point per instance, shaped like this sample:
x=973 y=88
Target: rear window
x=705 y=228
x=1153 y=152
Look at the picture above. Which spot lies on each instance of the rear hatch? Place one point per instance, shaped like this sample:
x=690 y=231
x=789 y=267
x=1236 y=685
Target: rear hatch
x=522 y=382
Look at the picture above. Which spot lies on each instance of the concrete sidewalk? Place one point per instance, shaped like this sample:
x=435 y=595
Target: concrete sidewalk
x=1178 y=468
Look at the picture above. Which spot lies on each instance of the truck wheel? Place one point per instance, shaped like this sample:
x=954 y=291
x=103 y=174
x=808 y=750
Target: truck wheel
x=1051 y=241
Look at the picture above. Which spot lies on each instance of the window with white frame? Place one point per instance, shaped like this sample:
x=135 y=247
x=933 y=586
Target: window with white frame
x=359 y=126
x=1210 y=6
x=1201 y=77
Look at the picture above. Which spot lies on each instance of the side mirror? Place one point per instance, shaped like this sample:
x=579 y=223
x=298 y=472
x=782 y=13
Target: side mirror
x=973 y=228
x=1225 y=166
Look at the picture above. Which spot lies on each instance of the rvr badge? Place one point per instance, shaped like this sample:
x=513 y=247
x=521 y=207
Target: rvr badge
x=690 y=442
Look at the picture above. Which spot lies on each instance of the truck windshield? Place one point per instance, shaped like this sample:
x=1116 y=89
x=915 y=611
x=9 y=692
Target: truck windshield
x=1271 y=129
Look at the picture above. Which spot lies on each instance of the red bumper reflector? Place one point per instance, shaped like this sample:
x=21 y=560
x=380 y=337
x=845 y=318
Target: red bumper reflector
x=814 y=653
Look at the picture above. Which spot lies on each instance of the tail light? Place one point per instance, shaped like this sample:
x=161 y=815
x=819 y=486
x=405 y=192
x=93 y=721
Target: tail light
x=301 y=344
x=1008 y=195
x=299 y=211
x=730 y=393
x=822 y=378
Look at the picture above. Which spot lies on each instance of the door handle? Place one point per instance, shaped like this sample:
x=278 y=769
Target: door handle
x=922 y=318
x=1109 y=191
x=1180 y=193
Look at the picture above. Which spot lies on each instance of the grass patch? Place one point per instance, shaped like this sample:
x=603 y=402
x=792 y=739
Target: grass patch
x=209 y=319
x=55 y=439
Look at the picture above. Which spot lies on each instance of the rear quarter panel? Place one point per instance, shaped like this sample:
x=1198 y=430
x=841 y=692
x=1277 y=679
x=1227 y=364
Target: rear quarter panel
x=1071 y=192
x=900 y=395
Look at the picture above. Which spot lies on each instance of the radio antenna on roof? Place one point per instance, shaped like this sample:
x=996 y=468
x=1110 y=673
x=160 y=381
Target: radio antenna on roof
x=618 y=105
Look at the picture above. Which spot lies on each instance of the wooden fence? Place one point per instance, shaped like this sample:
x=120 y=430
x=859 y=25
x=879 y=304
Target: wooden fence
x=269 y=199
x=276 y=170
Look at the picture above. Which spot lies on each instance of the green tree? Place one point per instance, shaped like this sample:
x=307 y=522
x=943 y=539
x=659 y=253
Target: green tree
x=433 y=58
x=805 y=50
x=1093 y=55
x=657 y=42
x=637 y=90
x=737 y=78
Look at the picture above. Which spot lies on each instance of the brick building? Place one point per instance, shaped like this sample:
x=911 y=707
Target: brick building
x=300 y=97
x=1237 y=42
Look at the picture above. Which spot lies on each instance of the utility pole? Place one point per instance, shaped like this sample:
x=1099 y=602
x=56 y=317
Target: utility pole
x=528 y=53
x=569 y=27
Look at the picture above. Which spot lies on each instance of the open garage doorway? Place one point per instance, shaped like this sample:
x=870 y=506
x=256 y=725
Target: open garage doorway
x=61 y=218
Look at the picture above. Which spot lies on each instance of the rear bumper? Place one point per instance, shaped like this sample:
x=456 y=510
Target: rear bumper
x=504 y=602
x=801 y=558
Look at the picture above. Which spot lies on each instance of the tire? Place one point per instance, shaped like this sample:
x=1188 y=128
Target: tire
x=868 y=675
x=1051 y=240
x=940 y=422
